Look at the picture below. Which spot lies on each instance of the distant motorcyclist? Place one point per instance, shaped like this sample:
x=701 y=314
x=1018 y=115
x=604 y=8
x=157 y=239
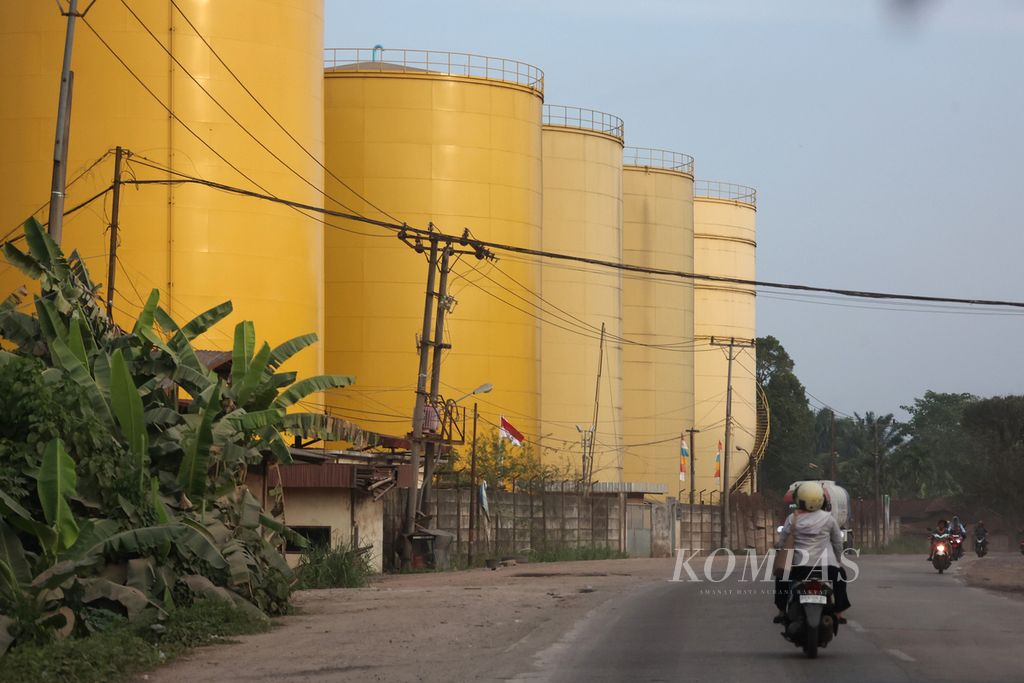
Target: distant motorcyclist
x=980 y=532
x=957 y=528
x=818 y=542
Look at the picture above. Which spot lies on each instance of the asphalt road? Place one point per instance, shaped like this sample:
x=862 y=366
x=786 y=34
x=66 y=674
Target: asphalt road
x=907 y=623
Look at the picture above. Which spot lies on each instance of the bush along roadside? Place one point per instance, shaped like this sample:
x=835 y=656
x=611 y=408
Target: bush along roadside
x=123 y=460
x=340 y=567
x=118 y=650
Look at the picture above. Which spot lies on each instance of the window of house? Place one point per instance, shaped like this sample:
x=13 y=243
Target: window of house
x=316 y=535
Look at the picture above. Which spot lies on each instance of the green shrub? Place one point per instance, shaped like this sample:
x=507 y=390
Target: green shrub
x=340 y=567
x=122 y=651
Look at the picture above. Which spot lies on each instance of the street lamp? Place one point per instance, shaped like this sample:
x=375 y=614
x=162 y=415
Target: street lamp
x=482 y=389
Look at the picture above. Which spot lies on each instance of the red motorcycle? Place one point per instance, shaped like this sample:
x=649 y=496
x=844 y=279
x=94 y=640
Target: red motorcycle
x=941 y=552
x=956 y=546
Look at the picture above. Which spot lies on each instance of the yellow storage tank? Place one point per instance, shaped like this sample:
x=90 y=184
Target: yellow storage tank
x=724 y=244
x=197 y=245
x=657 y=232
x=583 y=216
x=450 y=139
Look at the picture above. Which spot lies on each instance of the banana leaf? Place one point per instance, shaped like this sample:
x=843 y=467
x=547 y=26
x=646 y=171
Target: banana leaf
x=21 y=519
x=282 y=352
x=44 y=249
x=194 y=471
x=253 y=375
x=76 y=342
x=205 y=320
x=91 y=533
x=310 y=385
x=50 y=322
x=257 y=420
x=13 y=553
x=242 y=351
x=22 y=261
x=55 y=483
x=79 y=372
x=127 y=406
x=132 y=600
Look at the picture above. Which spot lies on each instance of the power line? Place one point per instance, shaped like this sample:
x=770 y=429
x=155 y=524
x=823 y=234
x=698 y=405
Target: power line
x=273 y=118
x=234 y=119
x=407 y=231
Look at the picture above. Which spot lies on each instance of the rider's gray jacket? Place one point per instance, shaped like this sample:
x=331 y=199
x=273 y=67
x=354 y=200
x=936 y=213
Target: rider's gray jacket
x=818 y=539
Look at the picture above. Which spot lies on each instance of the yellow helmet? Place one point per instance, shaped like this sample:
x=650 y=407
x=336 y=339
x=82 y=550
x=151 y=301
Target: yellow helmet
x=810 y=496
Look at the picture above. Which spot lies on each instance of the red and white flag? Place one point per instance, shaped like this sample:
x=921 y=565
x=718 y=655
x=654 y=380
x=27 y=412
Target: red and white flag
x=511 y=433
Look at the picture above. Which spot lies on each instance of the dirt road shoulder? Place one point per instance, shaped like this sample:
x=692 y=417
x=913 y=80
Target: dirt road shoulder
x=418 y=627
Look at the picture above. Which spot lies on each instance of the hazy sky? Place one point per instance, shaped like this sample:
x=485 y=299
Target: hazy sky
x=884 y=138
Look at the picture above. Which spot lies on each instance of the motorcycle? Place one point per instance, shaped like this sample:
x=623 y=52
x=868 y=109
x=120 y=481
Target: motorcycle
x=981 y=546
x=810 y=620
x=941 y=552
x=956 y=546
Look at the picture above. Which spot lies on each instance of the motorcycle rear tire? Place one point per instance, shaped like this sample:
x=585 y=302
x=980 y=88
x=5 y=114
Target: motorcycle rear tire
x=810 y=642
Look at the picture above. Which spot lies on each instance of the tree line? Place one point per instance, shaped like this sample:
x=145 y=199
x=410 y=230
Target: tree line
x=952 y=444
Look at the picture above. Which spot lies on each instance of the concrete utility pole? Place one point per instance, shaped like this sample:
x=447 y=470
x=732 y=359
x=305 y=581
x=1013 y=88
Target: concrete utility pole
x=435 y=372
x=441 y=248
x=878 y=490
x=115 y=211
x=58 y=180
x=472 y=490
x=416 y=447
x=731 y=345
x=834 y=454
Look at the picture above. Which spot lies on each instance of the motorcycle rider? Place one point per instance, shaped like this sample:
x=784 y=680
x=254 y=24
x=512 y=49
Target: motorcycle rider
x=941 y=529
x=818 y=542
x=957 y=527
x=980 y=533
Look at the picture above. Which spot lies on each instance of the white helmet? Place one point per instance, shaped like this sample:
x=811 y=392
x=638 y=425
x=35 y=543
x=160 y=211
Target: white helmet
x=810 y=496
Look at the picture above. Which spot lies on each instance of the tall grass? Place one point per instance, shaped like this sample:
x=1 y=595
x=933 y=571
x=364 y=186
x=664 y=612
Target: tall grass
x=340 y=567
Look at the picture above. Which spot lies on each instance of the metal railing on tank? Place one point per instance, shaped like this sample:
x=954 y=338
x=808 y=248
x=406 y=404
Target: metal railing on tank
x=379 y=59
x=716 y=189
x=587 y=119
x=657 y=158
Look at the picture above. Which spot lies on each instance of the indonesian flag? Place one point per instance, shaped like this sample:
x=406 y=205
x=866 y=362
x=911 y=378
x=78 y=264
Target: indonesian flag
x=511 y=433
x=684 y=458
x=718 y=462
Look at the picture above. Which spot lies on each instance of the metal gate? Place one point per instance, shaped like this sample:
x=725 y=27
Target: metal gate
x=638 y=530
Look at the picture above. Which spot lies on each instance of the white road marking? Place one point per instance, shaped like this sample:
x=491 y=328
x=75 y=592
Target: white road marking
x=855 y=626
x=900 y=654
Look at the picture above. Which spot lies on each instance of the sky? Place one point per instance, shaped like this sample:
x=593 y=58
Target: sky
x=884 y=139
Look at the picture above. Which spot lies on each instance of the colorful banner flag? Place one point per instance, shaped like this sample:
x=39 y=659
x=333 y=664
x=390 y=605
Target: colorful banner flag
x=684 y=459
x=718 y=461
x=511 y=433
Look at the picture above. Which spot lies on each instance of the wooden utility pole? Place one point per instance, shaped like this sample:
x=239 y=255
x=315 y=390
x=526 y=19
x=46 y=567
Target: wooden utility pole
x=588 y=443
x=878 y=490
x=731 y=345
x=115 y=211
